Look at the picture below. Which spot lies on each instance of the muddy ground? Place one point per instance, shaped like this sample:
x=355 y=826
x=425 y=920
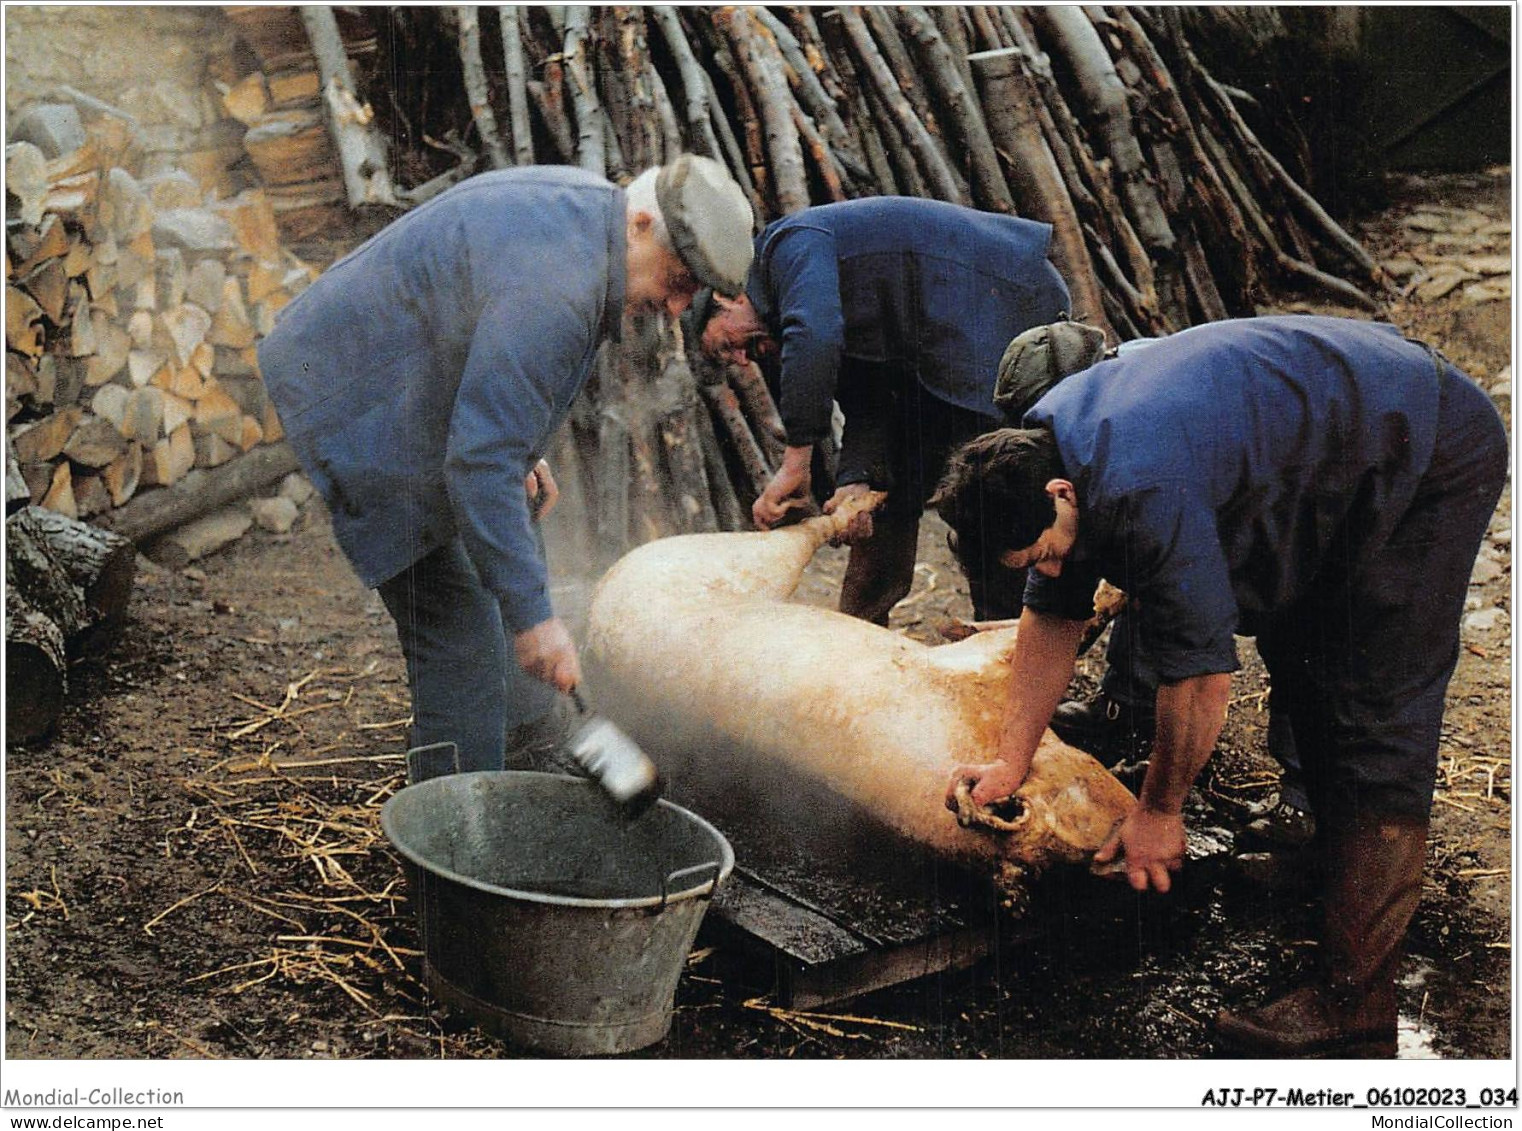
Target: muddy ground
x=194 y=868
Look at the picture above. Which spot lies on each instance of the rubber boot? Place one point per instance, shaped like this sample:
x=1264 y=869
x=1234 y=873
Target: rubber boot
x=1373 y=884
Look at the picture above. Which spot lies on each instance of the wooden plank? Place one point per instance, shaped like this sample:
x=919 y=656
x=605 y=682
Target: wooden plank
x=814 y=961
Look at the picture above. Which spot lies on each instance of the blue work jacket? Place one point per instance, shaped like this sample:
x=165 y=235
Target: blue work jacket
x=1220 y=471
x=931 y=287
x=421 y=377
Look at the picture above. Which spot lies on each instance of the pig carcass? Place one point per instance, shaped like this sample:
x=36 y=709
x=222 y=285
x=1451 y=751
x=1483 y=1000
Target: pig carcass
x=693 y=644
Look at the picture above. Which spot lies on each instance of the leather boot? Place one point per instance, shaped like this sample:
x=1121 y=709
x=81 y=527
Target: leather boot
x=1278 y=827
x=1373 y=883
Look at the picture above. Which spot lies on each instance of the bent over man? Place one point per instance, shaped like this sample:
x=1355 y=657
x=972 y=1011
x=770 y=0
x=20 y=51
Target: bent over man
x=421 y=377
x=899 y=309
x=1319 y=483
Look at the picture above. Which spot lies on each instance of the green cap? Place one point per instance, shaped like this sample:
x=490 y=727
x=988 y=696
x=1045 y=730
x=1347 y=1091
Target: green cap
x=1039 y=358
x=709 y=219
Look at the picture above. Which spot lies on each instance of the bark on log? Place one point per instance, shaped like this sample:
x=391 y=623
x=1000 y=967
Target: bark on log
x=591 y=139
x=200 y=492
x=1010 y=95
x=701 y=137
x=954 y=31
x=883 y=85
x=101 y=562
x=730 y=422
x=989 y=190
x=361 y=149
x=195 y=540
x=729 y=512
x=17 y=493
x=1105 y=100
x=760 y=411
x=831 y=172
x=814 y=100
x=36 y=671
x=761 y=63
x=517 y=85
x=34 y=569
x=477 y=89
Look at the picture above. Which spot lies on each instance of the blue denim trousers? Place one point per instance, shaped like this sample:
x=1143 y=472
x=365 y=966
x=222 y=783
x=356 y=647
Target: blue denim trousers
x=466 y=685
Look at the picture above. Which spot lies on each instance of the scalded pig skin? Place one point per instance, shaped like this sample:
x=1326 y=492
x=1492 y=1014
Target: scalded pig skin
x=692 y=640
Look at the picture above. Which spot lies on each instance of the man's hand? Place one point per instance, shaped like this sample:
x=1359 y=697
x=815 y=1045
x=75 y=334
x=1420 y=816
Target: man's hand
x=540 y=487
x=859 y=529
x=547 y=653
x=991 y=781
x=789 y=488
x=1149 y=846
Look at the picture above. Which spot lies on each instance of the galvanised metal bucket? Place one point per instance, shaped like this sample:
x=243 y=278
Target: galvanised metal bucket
x=546 y=918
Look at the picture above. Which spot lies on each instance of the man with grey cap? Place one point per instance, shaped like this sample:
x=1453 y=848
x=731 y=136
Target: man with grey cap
x=420 y=380
x=897 y=309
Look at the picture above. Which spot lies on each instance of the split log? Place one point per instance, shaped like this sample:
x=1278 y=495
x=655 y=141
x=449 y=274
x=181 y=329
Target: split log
x=170 y=460
x=95 y=443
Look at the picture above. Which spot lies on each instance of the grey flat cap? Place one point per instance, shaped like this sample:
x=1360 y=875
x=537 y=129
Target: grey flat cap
x=709 y=219
x=1039 y=358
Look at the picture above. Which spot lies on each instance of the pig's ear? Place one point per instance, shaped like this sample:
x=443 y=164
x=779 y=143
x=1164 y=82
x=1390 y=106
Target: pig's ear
x=1003 y=816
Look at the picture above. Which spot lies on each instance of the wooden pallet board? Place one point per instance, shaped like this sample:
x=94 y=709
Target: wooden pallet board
x=836 y=903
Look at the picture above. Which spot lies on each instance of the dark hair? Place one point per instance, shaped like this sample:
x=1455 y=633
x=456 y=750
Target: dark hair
x=993 y=493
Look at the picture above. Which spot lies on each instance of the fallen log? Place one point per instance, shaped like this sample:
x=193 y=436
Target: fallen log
x=100 y=562
x=200 y=492
x=36 y=673
x=843 y=705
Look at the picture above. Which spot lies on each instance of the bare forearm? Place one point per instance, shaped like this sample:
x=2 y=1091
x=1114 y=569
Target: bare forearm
x=1043 y=666
x=1189 y=718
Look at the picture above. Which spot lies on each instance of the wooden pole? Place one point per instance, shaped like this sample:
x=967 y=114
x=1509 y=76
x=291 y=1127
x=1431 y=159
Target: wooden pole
x=517 y=84
x=361 y=150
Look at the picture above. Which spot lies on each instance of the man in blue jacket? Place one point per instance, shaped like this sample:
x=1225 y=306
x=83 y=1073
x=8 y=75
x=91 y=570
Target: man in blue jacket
x=1320 y=483
x=899 y=309
x=420 y=380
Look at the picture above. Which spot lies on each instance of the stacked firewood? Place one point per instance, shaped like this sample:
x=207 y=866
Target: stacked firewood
x=133 y=399
x=290 y=107
x=67 y=584
x=1101 y=121
x=1166 y=209
x=133 y=309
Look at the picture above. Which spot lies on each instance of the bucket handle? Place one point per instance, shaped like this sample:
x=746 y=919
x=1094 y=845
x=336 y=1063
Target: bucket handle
x=432 y=761
x=669 y=881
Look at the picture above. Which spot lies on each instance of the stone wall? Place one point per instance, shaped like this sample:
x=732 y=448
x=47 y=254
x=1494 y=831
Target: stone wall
x=160 y=65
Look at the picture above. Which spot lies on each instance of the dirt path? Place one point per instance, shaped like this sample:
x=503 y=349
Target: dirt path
x=195 y=870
